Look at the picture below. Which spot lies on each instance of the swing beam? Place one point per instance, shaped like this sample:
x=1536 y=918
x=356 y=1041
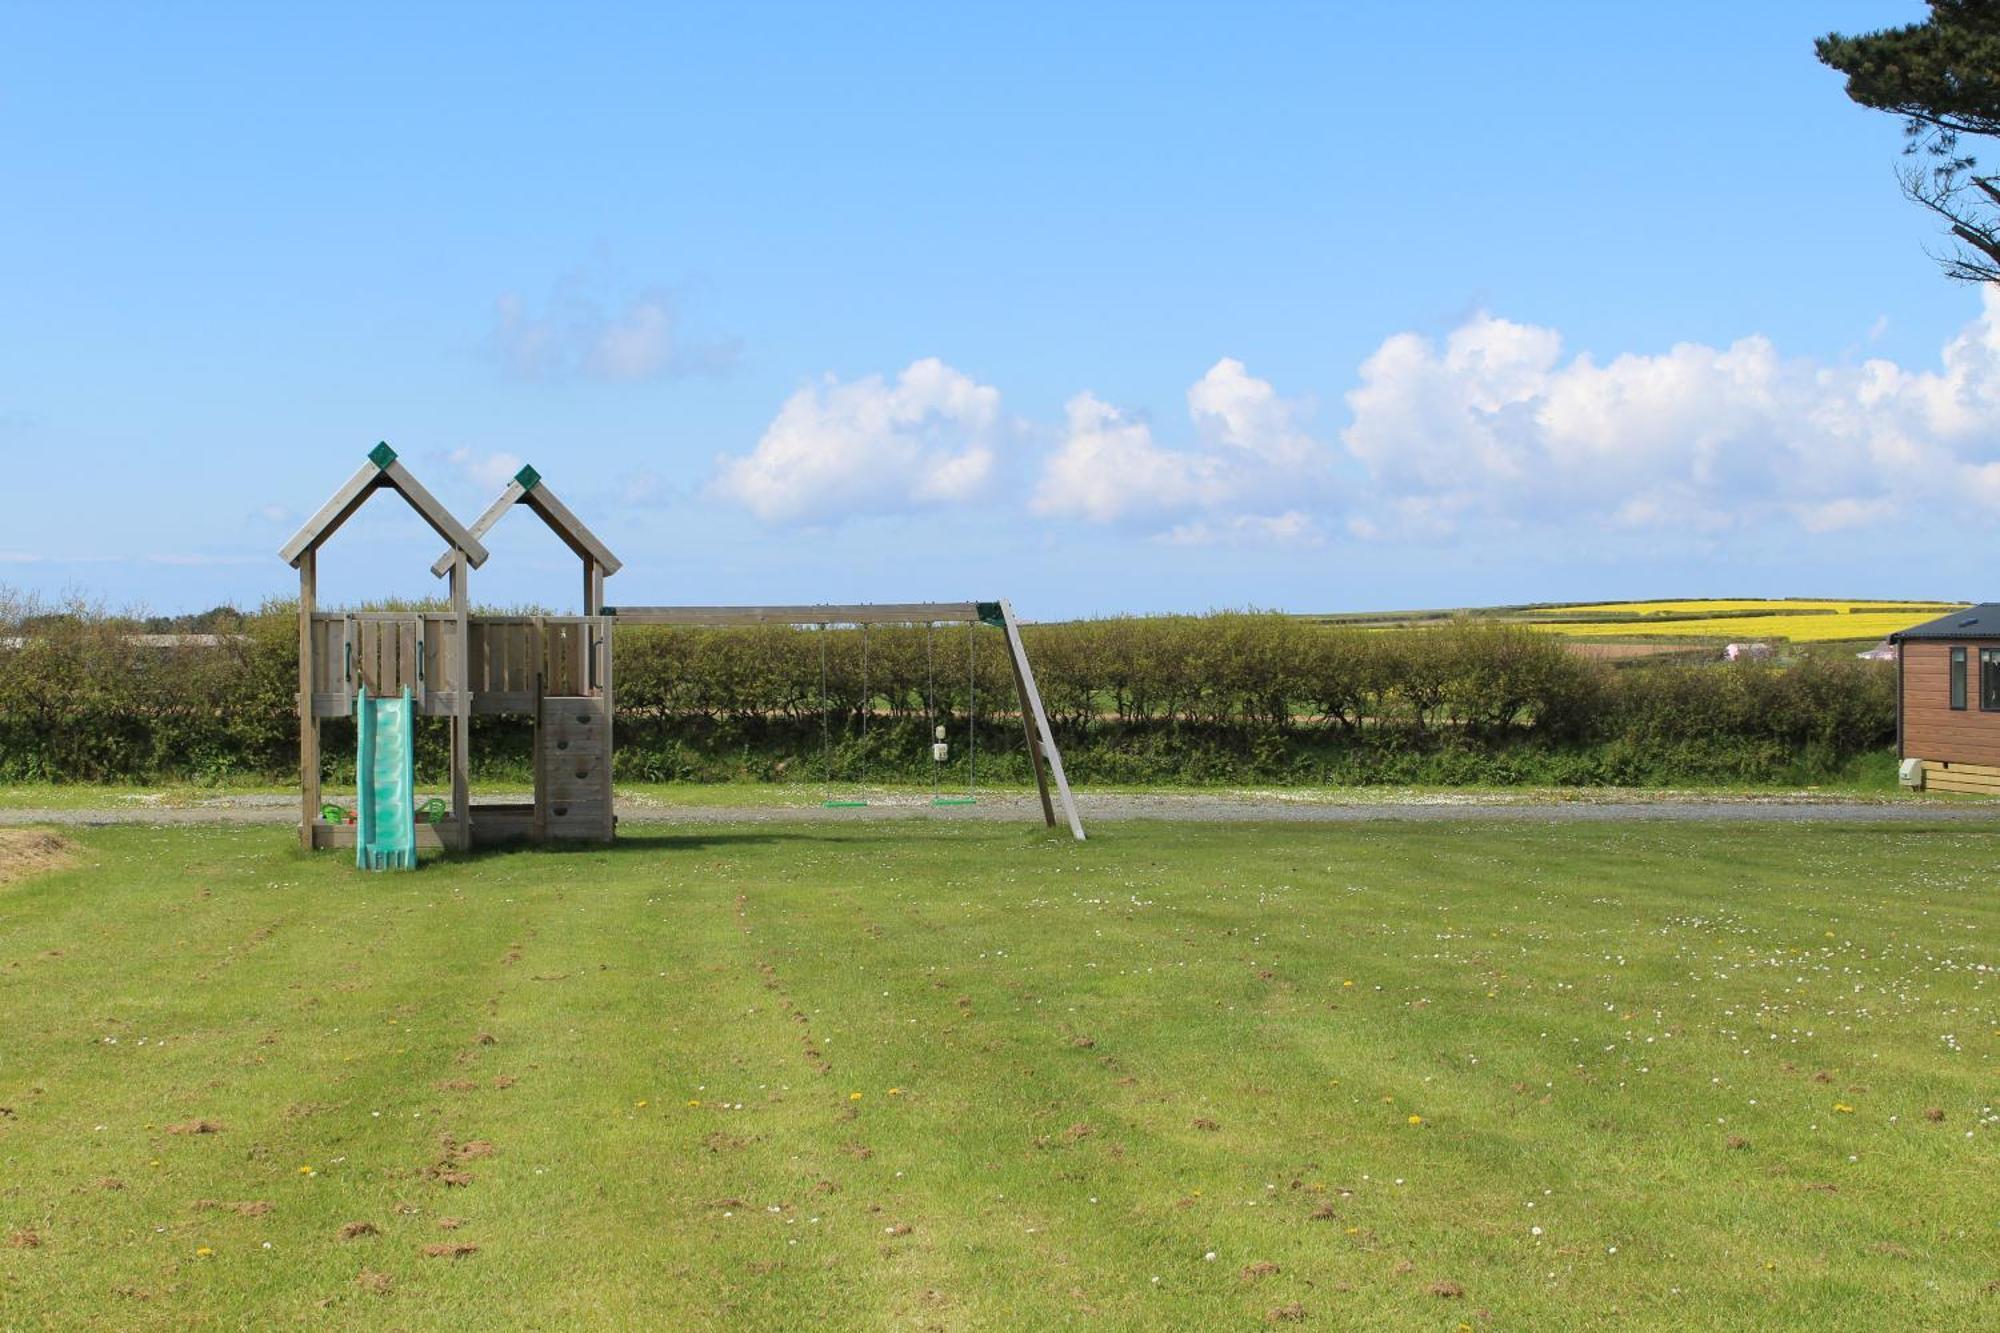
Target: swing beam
x=1043 y=755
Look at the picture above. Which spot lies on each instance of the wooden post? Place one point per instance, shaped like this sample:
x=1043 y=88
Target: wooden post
x=1035 y=761
x=461 y=707
x=308 y=723
x=541 y=767
x=1031 y=701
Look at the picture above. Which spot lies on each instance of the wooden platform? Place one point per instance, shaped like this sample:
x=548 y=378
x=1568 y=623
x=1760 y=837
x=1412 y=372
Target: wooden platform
x=1971 y=779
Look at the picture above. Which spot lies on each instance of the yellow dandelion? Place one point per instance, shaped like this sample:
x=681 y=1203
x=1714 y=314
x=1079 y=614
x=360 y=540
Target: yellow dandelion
x=694 y=1101
x=895 y=1092
x=641 y=1102
x=1416 y=1120
x=1354 y=1231
x=1346 y=983
x=853 y=1096
x=203 y=1251
x=154 y=1162
x=305 y=1171
x=1843 y=1108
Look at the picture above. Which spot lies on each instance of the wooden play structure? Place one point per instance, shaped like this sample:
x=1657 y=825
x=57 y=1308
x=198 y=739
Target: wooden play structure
x=388 y=668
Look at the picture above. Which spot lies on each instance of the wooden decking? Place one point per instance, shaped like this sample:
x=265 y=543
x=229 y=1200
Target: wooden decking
x=1971 y=779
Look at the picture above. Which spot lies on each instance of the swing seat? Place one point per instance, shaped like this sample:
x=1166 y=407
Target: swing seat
x=954 y=800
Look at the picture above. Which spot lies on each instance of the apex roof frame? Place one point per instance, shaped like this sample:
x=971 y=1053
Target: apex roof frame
x=528 y=488
x=382 y=469
x=302 y=553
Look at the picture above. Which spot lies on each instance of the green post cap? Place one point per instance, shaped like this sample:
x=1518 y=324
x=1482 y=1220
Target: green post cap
x=528 y=477
x=989 y=614
x=382 y=455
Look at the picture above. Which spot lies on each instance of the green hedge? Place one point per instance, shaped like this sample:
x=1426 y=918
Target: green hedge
x=1226 y=697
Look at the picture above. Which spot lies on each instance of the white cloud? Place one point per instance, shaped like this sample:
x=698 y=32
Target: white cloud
x=1291 y=528
x=1254 y=450
x=869 y=445
x=490 y=472
x=1238 y=411
x=1495 y=424
x=583 y=331
x=1109 y=467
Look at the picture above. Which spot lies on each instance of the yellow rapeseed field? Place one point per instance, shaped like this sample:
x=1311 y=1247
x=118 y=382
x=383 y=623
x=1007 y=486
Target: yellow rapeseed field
x=1802 y=620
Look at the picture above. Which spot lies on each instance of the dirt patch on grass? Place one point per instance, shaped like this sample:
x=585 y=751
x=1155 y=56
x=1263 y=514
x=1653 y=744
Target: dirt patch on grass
x=1292 y=1313
x=372 y=1281
x=1262 y=1268
x=196 y=1127
x=28 y=852
x=450 y=1250
x=25 y=1239
x=243 y=1208
x=356 y=1230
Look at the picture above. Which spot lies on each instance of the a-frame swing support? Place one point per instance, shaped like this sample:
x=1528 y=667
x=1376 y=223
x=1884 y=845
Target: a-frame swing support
x=1043 y=755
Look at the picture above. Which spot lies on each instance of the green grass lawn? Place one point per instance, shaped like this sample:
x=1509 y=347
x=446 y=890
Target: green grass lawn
x=940 y=1076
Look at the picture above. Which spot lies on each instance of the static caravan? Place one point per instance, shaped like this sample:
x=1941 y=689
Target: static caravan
x=1948 y=701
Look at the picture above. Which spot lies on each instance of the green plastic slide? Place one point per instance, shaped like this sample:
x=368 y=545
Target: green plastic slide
x=385 y=781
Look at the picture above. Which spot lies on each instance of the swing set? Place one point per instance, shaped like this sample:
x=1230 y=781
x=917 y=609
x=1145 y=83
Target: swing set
x=940 y=747
x=1051 y=783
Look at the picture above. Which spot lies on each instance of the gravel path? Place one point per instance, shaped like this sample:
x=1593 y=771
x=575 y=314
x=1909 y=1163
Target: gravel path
x=278 y=810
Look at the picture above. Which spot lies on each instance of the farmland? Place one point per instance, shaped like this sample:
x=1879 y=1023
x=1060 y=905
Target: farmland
x=974 y=1077
x=1803 y=620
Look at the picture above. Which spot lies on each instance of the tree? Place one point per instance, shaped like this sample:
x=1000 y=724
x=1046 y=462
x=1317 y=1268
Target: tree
x=1942 y=77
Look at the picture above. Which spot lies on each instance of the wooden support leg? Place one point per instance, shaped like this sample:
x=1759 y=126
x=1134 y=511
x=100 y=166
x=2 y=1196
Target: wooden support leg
x=1035 y=760
x=308 y=724
x=461 y=708
x=1031 y=697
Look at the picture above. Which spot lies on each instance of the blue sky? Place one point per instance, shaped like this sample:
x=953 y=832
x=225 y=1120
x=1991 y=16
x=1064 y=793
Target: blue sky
x=1103 y=308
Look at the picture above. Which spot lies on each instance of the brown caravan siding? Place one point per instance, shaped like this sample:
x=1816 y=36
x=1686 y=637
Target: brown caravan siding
x=1932 y=728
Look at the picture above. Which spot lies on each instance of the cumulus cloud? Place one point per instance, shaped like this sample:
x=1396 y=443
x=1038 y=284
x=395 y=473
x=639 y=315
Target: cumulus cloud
x=1109 y=467
x=582 y=331
x=1253 y=450
x=869 y=445
x=1494 y=423
x=489 y=472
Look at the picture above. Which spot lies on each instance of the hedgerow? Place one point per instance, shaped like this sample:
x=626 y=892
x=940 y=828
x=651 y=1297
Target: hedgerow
x=1224 y=697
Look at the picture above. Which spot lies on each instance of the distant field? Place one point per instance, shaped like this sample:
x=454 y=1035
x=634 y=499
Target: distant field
x=1798 y=619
